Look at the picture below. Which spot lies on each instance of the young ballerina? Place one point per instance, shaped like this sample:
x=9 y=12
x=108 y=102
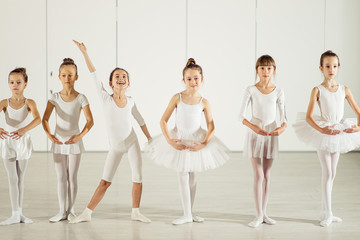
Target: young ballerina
x=67 y=144
x=330 y=134
x=188 y=148
x=118 y=109
x=261 y=142
x=15 y=141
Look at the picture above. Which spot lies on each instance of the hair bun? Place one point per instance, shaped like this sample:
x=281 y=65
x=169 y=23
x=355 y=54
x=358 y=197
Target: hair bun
x=191 y=61
x=68 y=60
x=20 y=70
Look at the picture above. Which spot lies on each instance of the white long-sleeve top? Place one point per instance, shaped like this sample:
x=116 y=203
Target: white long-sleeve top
x=118 y=119
x=264 y=106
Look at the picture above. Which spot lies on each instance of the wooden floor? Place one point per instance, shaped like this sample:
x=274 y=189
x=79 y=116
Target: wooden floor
x=224 y=198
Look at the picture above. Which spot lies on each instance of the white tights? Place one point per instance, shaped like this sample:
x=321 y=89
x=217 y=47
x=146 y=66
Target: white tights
x=16 y=172
x=329 y=162
x=187 y=186
x=66 y=167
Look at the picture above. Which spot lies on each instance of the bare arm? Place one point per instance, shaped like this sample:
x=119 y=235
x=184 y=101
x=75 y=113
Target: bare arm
x=349 y=97
x=210 y=126
x=83 y=50
x=3 y=134
x=163 y=123
x=89 y=124
x=310 y=111
x=45 y=123
x=36 y=121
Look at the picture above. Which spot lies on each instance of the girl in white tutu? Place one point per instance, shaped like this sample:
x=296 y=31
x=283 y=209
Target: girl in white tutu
x=67 y=143
x=188 y=148
x=261 y=142
x=15 y=141
x=329 y=133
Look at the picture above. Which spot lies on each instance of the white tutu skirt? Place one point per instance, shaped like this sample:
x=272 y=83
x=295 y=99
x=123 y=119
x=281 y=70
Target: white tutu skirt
x=20 y=149
x=66 y=149
x=212 y=156
x=258 y=146
x=343 y=142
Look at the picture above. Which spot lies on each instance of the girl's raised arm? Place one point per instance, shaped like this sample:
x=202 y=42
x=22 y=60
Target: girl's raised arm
x=83 y=50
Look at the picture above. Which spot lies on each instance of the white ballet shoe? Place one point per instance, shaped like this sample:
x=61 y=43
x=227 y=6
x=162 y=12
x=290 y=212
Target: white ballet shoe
x=326 y=222
x=198 y=219
x=256 y=222
x=336 y=219
x=15 y=218
x=58 y=217
x=182 y=220
x=71 y=216
x=269 y=221
x=85 y=216
x=26 y=220
x=137 y=216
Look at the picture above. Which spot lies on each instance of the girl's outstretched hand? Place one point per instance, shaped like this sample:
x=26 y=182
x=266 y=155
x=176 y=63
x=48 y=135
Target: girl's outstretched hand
x=3 y=134
x=176 y=143
x=196 y=146
x=81 y=46
x=353 y=129
x=329 y=130
x=277 y=131
x=55 y=139
x=17 y=134
x=73 y=139
x=259 y=130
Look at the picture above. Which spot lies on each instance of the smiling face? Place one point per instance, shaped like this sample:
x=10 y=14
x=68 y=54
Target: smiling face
x=17 y=83
x=265 y=72
x=330 y=67
x=119 y=80
x=68 y=76
x=193 y=79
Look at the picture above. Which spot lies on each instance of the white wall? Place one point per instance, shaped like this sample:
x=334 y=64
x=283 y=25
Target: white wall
x=152 y=39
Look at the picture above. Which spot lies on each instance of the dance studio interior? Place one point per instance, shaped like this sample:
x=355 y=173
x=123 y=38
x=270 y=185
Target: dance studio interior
x=153 y=40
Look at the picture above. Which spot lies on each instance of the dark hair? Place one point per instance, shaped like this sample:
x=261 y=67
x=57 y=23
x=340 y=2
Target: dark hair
x=68 y=62
x=191 y=64
x=265 y=60
x=326 y=54
x=21 y=71
x=117 y=68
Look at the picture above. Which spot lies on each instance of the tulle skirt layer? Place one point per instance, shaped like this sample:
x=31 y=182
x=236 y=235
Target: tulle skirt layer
x=20 y=149
x=258 y=146
x=212 y=156
x=343 y=142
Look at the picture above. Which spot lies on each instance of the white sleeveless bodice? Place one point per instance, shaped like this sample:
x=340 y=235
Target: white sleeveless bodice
x=16 y=118
x=188 y=117
x=331 y=104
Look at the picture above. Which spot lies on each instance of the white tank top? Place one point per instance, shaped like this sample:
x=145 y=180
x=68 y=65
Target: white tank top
x=188 y=117
x=331 y=104
x=16 y=118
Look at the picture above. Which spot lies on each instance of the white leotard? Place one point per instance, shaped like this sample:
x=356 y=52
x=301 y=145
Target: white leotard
x=119 y=126
x=264 y=108
x=67 y=122
x=331 y=104
x=15 y=119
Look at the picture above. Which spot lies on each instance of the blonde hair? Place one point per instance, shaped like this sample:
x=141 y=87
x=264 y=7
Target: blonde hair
x=191 y=64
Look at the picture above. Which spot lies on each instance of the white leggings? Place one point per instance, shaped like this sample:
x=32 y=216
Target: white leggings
x=187 y=187
x=16 y=172
x=329 y=162
x=66 y=167
x=113 y=160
